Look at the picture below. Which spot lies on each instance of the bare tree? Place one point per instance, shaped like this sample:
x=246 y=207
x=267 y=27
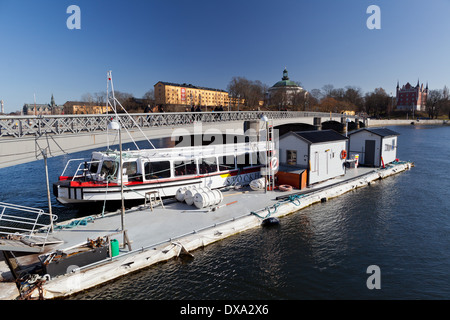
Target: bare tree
x=88 y=98
x=327 y=90
x=148 y=99
x=299 y=100
x=435 y=102
x=251 y=91
x=328 y=104
x=446 y=101
x=376 y=102
x=337 y=94
x=279 y=98
x=238 y=86
x=149 y=95
x=354 y=97
x=100 y=98
x=316 y=94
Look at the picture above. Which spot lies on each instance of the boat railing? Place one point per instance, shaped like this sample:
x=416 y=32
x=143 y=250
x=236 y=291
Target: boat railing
x=67 y=164
x=21 y=222
x=85 y=164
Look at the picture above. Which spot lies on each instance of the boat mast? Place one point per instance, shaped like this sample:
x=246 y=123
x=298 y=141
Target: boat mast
x=44 y=154
x=117 y=126
x=107 y=110
x=114 y=107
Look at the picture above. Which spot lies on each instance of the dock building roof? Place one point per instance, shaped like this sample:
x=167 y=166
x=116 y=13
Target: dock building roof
x=382 y=132
x=319 y=136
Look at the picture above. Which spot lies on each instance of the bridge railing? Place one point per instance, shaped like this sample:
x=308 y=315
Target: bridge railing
x=22 y=126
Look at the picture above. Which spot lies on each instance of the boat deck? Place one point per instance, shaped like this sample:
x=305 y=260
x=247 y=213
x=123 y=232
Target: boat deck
x=146 y=227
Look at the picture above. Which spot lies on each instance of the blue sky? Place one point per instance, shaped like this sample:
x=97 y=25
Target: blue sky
x=206 y=43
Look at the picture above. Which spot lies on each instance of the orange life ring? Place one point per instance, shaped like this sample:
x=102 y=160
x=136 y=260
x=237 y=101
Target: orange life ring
x=343 y=154
x=285 y=187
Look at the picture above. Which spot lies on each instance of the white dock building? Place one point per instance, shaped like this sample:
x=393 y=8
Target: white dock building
x=322 y=152
x=374 y=146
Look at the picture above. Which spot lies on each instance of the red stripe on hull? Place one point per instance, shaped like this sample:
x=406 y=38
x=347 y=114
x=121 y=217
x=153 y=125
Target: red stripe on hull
x=96 y=184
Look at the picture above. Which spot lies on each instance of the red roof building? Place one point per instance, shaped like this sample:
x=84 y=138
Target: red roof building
x=412 y=98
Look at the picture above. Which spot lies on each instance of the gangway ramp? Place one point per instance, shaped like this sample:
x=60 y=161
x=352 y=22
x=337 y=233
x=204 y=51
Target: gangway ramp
x=24 y=229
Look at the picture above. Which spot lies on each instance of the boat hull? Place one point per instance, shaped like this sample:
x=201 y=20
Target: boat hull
x=67 y=192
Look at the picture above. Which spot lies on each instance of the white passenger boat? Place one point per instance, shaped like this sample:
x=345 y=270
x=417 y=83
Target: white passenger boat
x=163 y=170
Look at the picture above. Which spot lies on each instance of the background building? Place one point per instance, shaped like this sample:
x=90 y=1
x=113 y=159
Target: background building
x=34 y=109
x=180 y=96
x=286 y=92
x=412 y=98
x=79 y=107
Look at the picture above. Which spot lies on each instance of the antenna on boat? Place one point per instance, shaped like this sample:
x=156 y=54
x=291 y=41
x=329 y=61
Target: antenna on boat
x=114 y=108
x=107 y=112
x=44 y=152
x=117 y=125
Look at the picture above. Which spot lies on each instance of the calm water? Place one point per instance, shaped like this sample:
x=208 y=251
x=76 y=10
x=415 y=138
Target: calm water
x=401 y=224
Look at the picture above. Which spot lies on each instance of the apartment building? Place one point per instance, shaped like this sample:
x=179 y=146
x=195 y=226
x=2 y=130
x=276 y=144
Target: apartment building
x=187 y=95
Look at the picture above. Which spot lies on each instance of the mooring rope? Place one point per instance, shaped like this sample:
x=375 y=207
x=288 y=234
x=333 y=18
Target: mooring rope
x=76 y=223
x=294 y=199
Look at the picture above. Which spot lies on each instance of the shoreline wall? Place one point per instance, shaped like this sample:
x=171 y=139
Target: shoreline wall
x=385 y=122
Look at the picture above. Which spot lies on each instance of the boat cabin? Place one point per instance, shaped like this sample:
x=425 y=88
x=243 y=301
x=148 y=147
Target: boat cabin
x=161 y=170
x=169 y=163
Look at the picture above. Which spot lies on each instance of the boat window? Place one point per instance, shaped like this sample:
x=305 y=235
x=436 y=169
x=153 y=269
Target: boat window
x=157 y=170
x=226 y=163
x=94 y=166
x=243 y=160
x=262 y=158
x=109 y=168
x=185 y=167
x=208 y=165
x=255 y=159
x=130 y=169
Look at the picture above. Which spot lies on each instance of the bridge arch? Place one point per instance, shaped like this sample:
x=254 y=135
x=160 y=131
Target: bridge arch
x=354 y=125
x=340 y=127
x=334 y=125
x=285 y=128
